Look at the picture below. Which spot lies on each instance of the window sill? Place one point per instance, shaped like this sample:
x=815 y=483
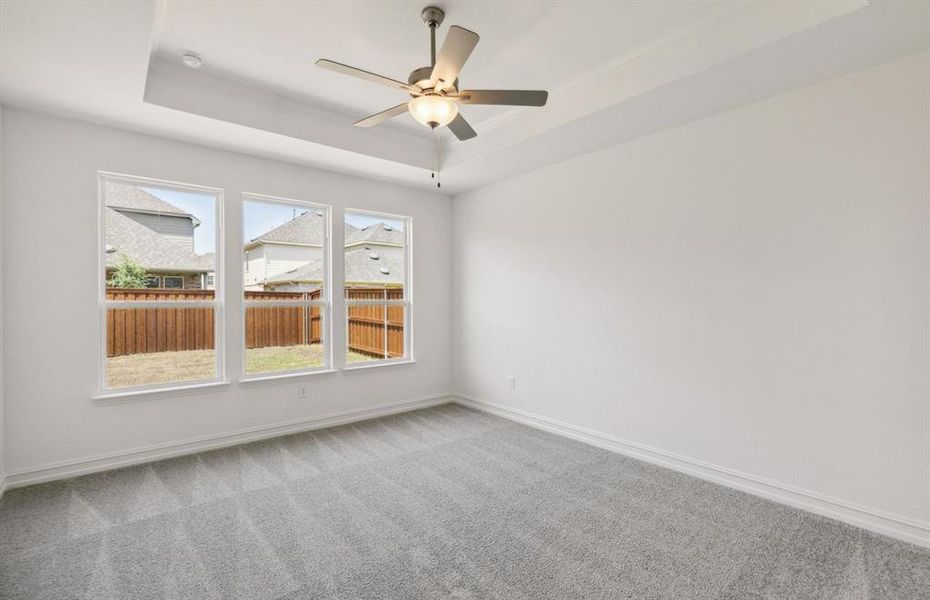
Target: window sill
x=145 y=394
x=272 y=378
x=375 y=365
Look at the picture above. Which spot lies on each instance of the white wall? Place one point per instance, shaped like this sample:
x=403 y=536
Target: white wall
x=749 y=290
x=2 y=378
x=49 y=251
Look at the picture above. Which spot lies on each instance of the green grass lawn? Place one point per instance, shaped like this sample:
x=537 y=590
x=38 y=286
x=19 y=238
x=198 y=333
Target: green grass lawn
x=193 y=365
x=283 y=358
x=160 y=367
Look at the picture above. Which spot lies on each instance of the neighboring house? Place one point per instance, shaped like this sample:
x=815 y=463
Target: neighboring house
x=384 y=246
x=366 y=266
x=158 y=236
x=305 y=278
x=285 y=248
x=374 y=257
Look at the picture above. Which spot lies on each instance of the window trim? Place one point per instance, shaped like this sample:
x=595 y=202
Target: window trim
x=407 y=301
x=218 y=303
x=325 y=303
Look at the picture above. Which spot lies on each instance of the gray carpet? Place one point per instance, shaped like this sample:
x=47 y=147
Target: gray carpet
x=443 y=502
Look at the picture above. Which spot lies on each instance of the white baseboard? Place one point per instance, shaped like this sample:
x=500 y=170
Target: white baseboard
x=113 y=460
x=2 y=484
x=896 y=526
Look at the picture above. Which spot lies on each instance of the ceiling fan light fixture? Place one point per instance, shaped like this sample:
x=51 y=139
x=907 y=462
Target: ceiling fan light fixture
x=433 y=110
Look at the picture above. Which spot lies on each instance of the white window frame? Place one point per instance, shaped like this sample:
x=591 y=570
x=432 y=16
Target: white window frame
x=406 y=302
x=216 y=304
x=324 y=303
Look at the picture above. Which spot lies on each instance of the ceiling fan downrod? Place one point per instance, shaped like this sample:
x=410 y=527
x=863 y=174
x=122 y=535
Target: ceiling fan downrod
x=433 y=17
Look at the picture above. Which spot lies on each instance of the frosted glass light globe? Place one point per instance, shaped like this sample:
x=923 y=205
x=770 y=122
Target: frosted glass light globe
x=430 y=109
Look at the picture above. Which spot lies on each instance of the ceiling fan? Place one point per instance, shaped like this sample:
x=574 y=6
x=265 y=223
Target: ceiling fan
x=435 y=89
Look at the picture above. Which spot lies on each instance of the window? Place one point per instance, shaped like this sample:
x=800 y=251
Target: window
x=174 y=282
x=158 y=337
x=377 y=287
x=285 y=265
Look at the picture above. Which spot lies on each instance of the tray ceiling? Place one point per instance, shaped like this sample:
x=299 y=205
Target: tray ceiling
x=615 y=71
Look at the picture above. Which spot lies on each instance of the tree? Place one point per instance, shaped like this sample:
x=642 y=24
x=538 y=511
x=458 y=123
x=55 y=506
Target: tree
x=128 y=274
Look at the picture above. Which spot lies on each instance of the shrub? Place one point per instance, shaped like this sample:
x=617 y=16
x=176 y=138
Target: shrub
x=128 y=274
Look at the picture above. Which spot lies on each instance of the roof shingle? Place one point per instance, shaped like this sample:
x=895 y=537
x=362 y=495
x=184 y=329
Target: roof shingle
x=359 y=267
x=377 y=233
x=308 y=228
x=123 y=195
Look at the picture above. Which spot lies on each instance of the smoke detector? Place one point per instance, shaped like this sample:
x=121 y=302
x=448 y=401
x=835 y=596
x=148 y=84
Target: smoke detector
x=191 y=60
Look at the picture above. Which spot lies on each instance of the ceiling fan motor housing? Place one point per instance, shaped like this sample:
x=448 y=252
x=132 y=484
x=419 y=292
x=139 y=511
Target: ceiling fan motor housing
x=421 y=77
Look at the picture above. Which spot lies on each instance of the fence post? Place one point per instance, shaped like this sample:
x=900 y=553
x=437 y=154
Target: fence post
x=308 y=319
x=384 y=312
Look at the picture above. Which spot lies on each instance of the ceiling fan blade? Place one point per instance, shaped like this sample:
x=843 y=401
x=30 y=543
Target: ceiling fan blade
x=382 y=116
x=503 y=97
x=460 y=127
x=455 y=51
x=366 y=75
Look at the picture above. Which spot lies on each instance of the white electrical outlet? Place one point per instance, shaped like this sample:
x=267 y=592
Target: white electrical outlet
x=302 y=391
x=512 y=382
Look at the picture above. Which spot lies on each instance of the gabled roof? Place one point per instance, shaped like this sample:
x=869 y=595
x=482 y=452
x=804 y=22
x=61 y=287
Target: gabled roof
x=360 y=266
x=131 y=197
x=377 y=233
x=308 y=228
x=126 y=236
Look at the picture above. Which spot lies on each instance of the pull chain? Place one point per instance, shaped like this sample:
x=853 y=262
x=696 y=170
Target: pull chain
x=437 y=158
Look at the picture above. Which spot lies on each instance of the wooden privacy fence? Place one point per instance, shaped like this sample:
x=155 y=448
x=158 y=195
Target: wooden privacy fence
x=144 y=330
x=284 y=325
x=376 y=330
x=141 y=330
